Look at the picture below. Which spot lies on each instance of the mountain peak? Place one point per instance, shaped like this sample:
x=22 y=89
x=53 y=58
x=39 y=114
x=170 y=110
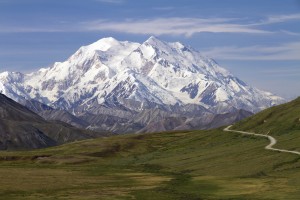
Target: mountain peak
x=108 y=39
x=152 y=37
x=166 y=74
x=104 y=44
x=152 y=40
x=4 y=74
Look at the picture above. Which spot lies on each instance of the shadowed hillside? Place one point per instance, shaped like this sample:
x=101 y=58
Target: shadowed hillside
x=20 y=128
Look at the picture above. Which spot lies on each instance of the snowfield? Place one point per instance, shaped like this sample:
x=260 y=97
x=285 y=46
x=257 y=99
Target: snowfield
x=128 y=75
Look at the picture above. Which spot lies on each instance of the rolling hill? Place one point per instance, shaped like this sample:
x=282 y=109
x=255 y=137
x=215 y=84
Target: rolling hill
x=282 y=122
x=194 y=165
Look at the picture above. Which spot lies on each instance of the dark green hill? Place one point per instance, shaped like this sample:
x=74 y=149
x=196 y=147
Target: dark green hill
x=282 y=122
x=211 y=165
x=21 y=128
x=278 y=119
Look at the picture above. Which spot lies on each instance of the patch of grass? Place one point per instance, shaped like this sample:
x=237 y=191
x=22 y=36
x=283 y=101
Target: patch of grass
x=282 y=122
x=172 y=165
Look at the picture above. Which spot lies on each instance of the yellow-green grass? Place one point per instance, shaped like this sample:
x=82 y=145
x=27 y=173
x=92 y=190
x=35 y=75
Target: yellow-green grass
x=171 y=165
x=282 y=122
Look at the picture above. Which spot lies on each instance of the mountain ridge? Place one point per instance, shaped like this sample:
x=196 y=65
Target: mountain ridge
x=121 y=79
x=136 y=68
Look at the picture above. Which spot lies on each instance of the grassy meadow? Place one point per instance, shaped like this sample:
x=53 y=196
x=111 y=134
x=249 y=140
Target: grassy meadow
x=171 y=165
x=282 y=122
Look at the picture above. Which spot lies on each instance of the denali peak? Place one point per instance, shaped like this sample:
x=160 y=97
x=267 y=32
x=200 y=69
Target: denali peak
x=111 y=75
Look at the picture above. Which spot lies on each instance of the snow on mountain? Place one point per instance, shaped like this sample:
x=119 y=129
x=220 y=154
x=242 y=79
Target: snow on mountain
x=129 y=77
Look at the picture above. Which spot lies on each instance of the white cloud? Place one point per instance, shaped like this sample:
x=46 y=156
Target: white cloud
x=188 y=26
x=164 y=26
x=274 y=19
x=282 y=18
x=287 y=51
x=172 y=26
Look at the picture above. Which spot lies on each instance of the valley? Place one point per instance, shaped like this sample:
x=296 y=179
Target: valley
x=131 y=134
x=149 y=100
x=211 y=164
x=174 y=165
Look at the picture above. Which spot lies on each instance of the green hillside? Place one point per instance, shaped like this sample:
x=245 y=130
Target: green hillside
x=170 y=165
x=282 y=122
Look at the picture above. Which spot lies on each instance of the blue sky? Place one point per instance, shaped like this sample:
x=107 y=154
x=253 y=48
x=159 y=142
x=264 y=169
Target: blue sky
x=257 y=40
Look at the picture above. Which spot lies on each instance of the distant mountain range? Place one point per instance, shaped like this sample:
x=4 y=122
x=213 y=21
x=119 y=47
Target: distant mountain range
x=122 y=86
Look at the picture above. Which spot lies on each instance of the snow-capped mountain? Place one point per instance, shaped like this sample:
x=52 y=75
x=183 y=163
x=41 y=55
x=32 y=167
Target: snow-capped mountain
x=120 y=78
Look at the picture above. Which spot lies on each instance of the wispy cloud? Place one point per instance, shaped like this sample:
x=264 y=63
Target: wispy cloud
x=274 y=19
x=282 y=18
x=164 y=26
x=173 y=26
x=190 y=26
x=287 y=51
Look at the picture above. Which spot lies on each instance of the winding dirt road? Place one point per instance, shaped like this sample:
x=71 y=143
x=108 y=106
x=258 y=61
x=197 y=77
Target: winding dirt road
x=273 y=141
